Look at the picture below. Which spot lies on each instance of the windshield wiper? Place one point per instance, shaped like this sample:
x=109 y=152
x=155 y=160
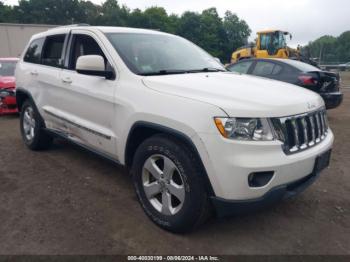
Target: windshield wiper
x=165 y=72
x=181 y=71
x=206 y=69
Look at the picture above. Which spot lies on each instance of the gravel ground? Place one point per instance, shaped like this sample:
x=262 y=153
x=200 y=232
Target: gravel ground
x=68 y=201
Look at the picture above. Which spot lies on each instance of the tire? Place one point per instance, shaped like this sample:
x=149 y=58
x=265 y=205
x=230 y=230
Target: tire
x=166 y=165
x=32 y=128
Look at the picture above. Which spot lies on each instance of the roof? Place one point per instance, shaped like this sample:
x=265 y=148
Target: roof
x=271 y=31
x=104 y=29
x=305 y=67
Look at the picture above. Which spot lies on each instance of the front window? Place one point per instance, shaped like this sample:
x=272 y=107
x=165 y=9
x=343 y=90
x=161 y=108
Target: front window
x=156 y=54
x=7 y=68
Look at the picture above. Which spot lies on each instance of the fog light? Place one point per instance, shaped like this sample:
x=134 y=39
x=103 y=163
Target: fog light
x=259 y=179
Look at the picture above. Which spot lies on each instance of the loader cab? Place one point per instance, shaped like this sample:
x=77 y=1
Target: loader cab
x=272 y=43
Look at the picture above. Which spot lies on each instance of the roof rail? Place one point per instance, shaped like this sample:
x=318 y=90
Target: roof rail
x=73 y=25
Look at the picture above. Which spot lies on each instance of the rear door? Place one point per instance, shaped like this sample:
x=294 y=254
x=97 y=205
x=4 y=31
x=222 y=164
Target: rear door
x=51 y=64
x=84 y=105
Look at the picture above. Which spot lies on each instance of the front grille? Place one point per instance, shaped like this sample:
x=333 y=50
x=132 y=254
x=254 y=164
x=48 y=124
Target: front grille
x=301 y=132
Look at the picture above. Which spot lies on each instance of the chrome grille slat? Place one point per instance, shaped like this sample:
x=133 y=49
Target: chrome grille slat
x=305 y=134
x=303 y=131
x=323 y=116
x=313 y=132
x=322 y=125
x=318 y=124
x=296 y=135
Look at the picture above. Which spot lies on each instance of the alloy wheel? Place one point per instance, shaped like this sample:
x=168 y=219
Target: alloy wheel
x=163 y=184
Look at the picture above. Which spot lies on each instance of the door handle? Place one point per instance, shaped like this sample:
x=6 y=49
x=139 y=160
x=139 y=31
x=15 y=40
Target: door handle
x=34 y=73
x=67 y=80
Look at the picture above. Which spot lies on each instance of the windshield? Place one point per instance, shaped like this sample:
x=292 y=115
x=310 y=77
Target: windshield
x=7 y=68
x=272 y=42
x=151 y=54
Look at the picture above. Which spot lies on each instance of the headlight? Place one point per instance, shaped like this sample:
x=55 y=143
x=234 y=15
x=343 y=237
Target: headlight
x=4 y=93
x=256 y=129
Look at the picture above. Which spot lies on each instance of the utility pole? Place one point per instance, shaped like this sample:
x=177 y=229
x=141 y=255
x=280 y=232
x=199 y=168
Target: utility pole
x=319 y=58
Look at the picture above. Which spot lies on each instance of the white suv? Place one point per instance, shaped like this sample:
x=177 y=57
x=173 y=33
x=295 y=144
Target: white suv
x=195 y=137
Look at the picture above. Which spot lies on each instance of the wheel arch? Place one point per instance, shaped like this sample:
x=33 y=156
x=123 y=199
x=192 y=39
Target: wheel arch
x=21 y=96
x=142 y=130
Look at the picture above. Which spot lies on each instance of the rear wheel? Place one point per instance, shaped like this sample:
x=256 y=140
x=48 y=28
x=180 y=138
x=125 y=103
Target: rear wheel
x=32 y=128
x=167 y=178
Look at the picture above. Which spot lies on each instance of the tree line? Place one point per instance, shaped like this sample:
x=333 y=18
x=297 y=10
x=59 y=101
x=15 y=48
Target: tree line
x=330 y=49
x=217 y=35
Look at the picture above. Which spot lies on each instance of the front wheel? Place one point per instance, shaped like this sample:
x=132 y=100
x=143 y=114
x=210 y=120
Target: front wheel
x=32 y=128
x=167 y=178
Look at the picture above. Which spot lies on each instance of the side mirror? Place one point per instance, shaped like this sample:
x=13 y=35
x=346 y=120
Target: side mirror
x=93 y=65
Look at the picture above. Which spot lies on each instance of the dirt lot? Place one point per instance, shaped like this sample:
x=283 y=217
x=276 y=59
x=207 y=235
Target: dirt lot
x=345 y=77
x=68 y=201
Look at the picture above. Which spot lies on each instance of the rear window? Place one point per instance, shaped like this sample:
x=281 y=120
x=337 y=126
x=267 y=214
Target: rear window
x=33 y=54
x=301 y=65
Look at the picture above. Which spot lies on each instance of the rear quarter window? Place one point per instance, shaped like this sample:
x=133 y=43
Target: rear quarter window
x=33 y=53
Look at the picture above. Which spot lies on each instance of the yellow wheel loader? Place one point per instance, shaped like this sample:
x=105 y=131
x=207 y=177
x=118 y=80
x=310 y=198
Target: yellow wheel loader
x=269 y=44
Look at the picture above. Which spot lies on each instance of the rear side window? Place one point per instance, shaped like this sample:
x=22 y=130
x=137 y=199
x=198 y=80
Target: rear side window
x=241 y=67
x=52 y=52
x=33 y=54
x=276 y=69
x=263 y=68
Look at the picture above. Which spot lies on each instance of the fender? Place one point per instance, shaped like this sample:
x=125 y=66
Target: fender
x=21 y=96
x=149 y=129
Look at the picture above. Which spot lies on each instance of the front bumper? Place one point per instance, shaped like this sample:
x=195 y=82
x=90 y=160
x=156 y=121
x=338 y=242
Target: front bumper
x=332 y=100
x=225 y=207
x=229 y=164
x=8 y=105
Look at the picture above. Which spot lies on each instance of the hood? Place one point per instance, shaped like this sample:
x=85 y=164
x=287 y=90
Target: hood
x=237 y=94
x=7 y=81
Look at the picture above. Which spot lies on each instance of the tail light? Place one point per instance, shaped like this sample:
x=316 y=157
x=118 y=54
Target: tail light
x=308 y=80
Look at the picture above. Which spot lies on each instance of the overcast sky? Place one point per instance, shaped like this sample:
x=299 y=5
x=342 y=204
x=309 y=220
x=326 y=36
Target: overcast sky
x=305 y=19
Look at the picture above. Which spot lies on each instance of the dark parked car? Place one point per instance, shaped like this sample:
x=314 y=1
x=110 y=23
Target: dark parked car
x=325 y=83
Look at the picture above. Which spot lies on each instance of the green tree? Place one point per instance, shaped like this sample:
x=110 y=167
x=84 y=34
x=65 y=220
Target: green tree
x=213 y=36
x=237 y=32
x=219 y=36
x=112 y=14
x=156 y=18
x=343 y=47
x=189 y=26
